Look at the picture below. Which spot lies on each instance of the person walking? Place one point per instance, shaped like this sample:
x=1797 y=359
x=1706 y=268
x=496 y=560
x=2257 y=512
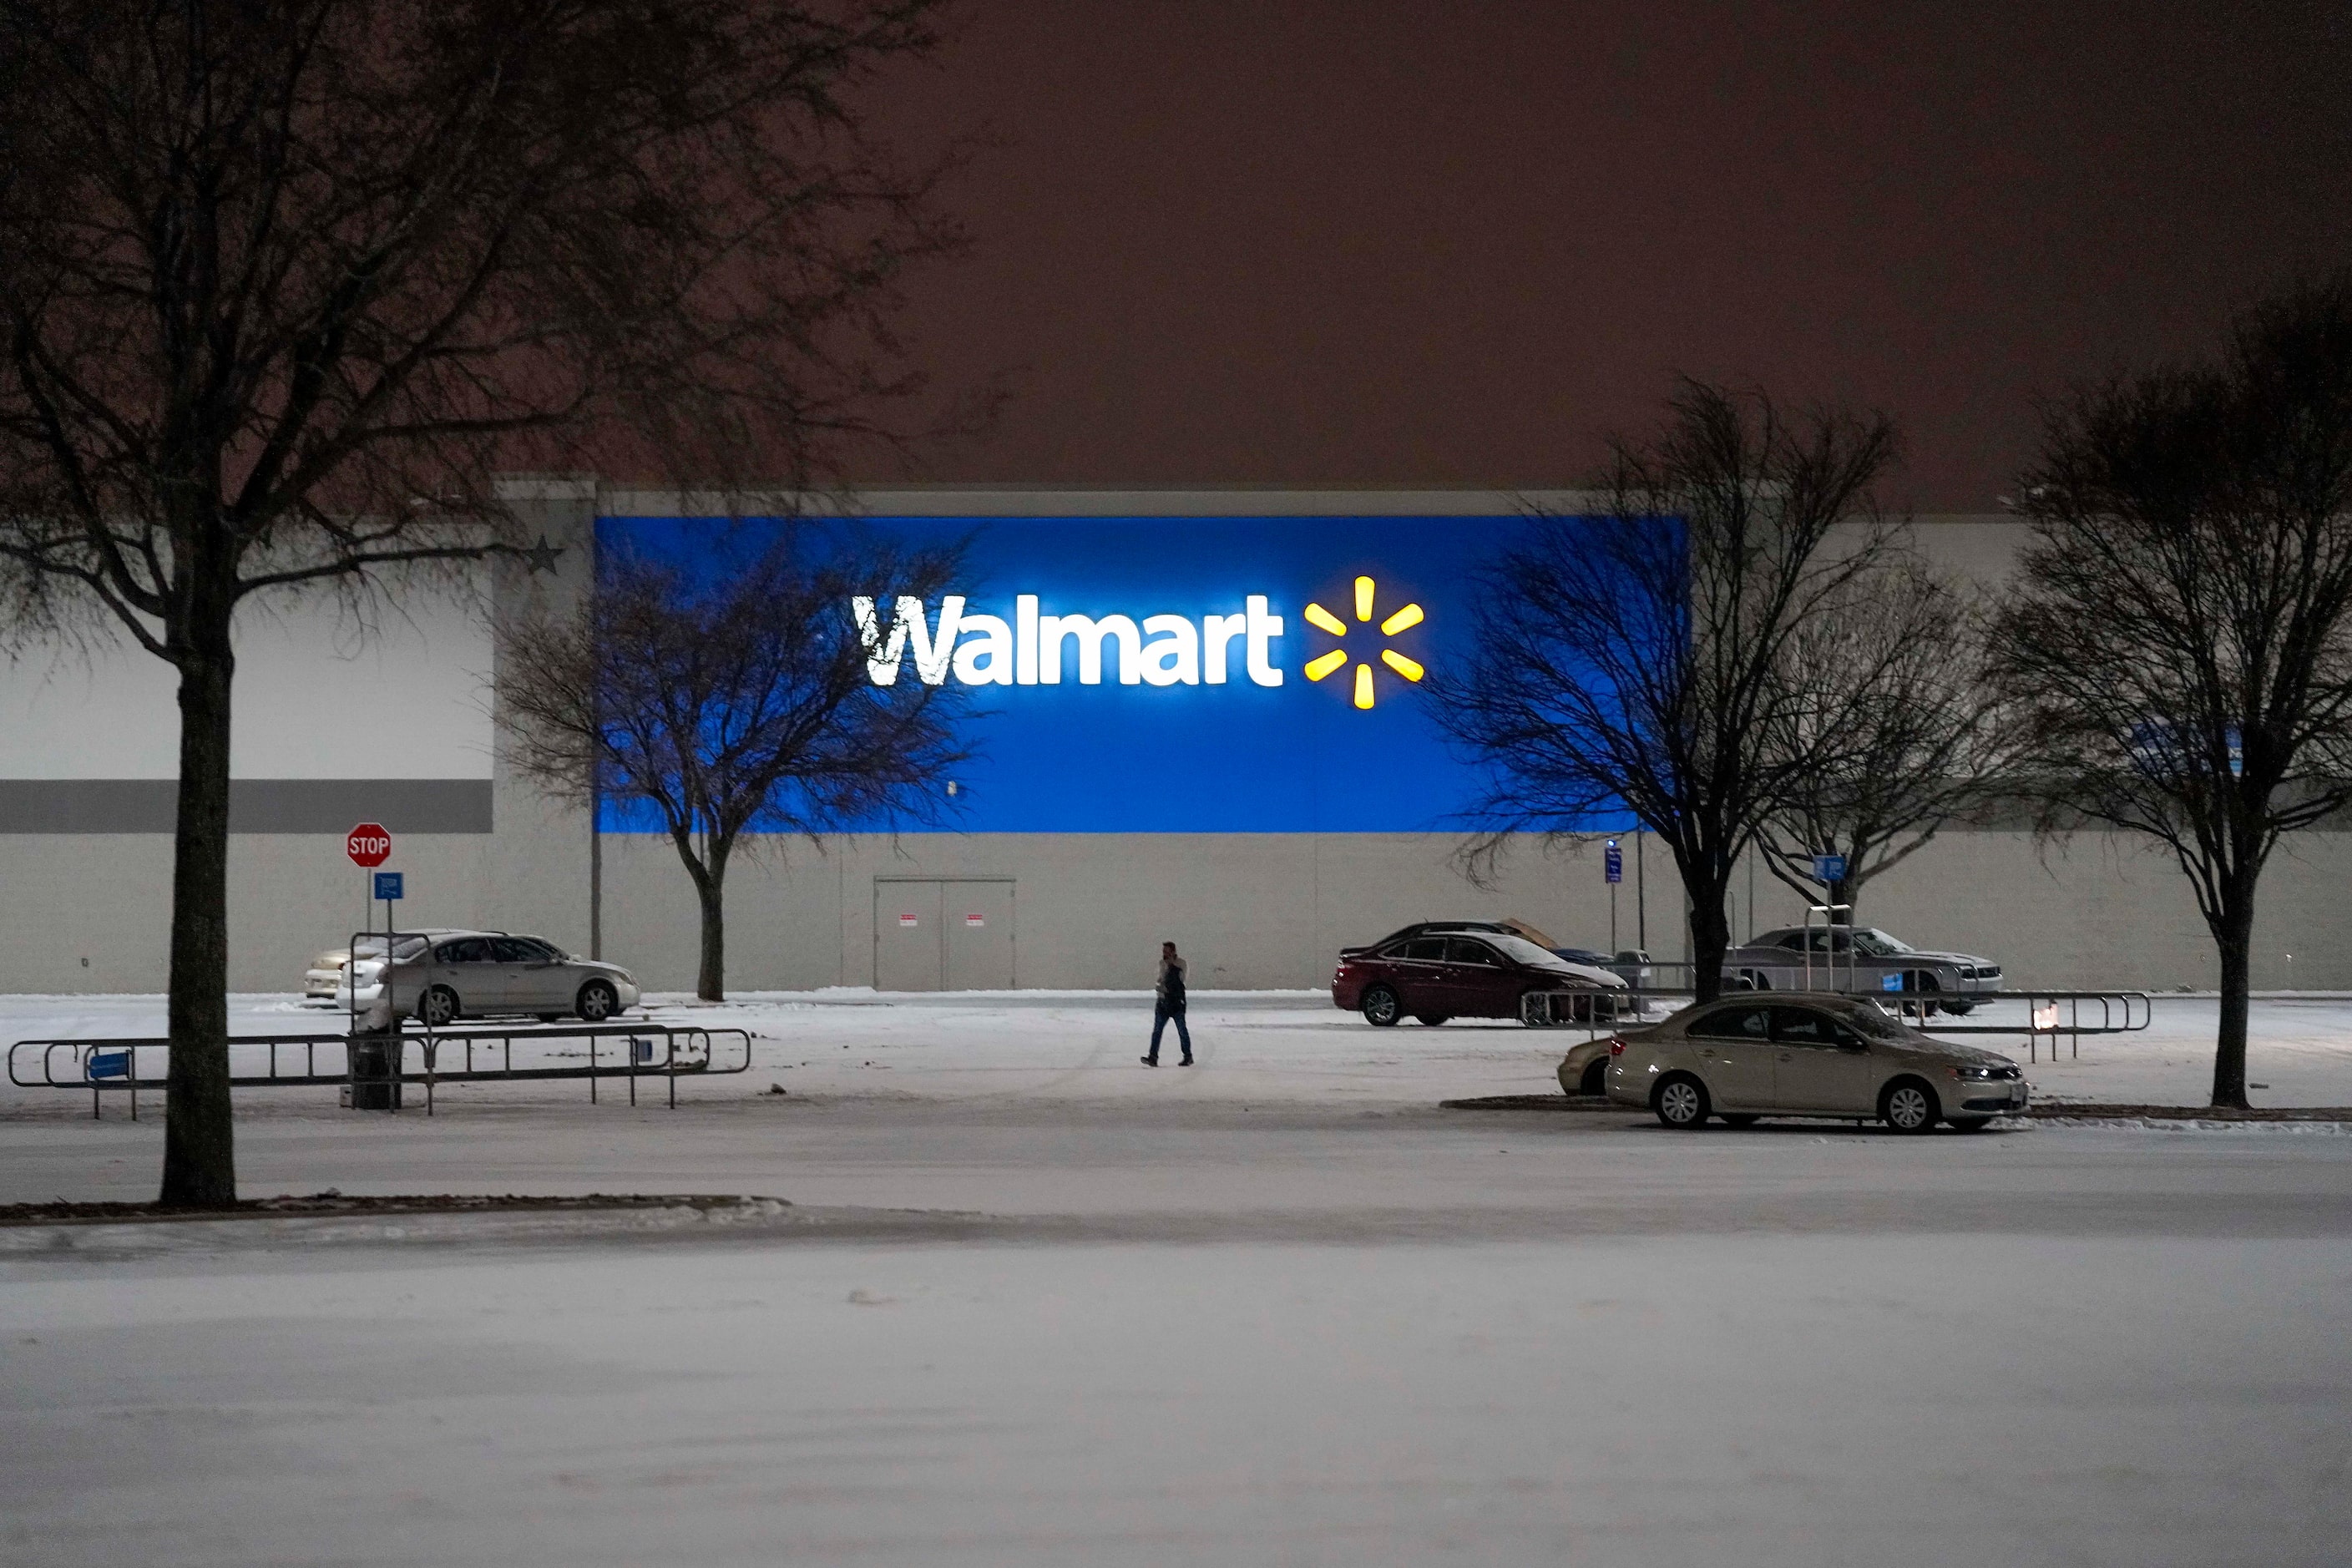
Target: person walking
x=1168 y=1002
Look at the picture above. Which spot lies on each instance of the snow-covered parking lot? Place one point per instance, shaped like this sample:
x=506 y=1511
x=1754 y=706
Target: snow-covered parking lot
x=1265 y=1046
x=1035 y=1303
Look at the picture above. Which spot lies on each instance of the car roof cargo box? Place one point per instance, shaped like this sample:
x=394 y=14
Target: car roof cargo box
x=1530 y=932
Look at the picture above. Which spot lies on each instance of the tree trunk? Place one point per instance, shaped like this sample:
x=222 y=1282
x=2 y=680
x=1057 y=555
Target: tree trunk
x=1710 y=930
x=2234 y=935
x=710 y=984
x=199 y=1141
x=708 y=870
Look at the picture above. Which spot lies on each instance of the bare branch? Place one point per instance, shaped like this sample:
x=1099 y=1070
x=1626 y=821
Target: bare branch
x=735 y=699
x=1633 y=661
x=2182 y=636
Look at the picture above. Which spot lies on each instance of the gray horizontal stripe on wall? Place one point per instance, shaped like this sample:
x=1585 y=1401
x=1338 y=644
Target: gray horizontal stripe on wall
x=254 y=806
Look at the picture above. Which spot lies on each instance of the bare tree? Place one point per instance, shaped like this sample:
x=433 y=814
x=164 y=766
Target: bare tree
x=737 y=700
x=1633 y=659
x=1901 y=666
x=282 y=284
x=2182 y=627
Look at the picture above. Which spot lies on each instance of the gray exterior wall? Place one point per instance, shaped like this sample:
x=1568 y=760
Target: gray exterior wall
x=1272 y=911
x=87 y=912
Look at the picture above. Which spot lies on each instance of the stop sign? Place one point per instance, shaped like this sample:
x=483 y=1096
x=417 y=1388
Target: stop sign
x=368 y=844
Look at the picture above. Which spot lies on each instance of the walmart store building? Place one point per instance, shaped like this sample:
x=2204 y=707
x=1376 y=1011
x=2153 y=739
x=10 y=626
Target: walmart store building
x=1201 y=724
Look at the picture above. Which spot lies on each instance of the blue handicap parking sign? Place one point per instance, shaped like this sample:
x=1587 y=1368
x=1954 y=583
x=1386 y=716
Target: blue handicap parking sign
x=387 y=886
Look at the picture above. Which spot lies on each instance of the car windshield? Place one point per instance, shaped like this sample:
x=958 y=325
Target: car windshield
x=1871 y=943
x=1872 y=1019
x=1521 y=950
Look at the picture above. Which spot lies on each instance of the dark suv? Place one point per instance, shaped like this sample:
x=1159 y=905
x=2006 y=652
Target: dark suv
x=1435 y=971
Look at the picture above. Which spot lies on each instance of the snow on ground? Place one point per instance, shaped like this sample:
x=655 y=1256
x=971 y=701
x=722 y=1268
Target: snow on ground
x=1037 y=1305
x=1263 y=1046
x=1758 y=1401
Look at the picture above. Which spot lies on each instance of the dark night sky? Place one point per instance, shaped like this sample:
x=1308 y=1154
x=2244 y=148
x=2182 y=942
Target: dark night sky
x=1389 y=242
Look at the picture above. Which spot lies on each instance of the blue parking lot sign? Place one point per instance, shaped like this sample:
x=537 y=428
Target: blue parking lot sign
x=1612 y=863
x=387 y=886
x=1829 y=867
x=1890 y=982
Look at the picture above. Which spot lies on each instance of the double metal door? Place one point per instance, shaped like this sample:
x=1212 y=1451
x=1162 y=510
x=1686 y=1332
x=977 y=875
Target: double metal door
x=943 y=934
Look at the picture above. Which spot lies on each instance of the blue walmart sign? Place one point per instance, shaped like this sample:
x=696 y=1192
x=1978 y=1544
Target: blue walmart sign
x=1181 y=674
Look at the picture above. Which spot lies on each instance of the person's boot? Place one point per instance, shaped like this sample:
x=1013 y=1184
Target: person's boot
x=1187 y=1061
x=1151 y=1061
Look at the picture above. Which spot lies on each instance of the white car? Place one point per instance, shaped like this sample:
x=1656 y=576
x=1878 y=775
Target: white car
x=483 y=974
x=325 y=980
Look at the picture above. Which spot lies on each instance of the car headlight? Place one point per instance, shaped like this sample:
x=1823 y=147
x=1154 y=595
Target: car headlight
x=1979 y=1075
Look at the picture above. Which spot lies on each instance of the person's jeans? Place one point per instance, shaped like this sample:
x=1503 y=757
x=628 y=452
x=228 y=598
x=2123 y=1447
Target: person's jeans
x=1159 y=1016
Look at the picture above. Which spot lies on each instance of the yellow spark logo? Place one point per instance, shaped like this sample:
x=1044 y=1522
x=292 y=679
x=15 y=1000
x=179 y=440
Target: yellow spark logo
x=1317 y=616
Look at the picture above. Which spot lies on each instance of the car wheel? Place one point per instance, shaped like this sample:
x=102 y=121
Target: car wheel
x=1430 y=1019
x=1595 y=1079
x=1381 y=1006
x=1957 y=1009
x=1680 y=1101
x=1909 y=1106
x=1739 y=1119
x=438 y=1008
x=598 y=1001
x=1968 y=1123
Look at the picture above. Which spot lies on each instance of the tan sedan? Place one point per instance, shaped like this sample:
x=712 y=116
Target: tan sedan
x=1742 y=1058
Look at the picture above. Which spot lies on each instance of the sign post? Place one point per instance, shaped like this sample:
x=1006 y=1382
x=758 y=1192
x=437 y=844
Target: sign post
x=369 y=845
x=390 y=887
x=1828 y=871
x=1612 y=866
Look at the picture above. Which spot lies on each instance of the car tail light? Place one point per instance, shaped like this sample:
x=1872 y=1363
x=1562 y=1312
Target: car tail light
x=1616 y=1044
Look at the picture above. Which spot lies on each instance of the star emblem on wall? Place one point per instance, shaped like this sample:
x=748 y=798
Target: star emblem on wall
x=540 y=557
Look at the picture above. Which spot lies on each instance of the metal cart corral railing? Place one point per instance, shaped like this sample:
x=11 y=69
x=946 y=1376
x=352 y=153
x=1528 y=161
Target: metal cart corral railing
x=628 y=1051
x=1579 y=1008
x=2050 y=1014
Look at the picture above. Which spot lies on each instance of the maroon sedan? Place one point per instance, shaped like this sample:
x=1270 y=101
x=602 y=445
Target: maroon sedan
x=1458 y=974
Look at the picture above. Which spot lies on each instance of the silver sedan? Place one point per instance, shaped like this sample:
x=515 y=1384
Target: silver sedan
x=1861 y=958
x=478 y=974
